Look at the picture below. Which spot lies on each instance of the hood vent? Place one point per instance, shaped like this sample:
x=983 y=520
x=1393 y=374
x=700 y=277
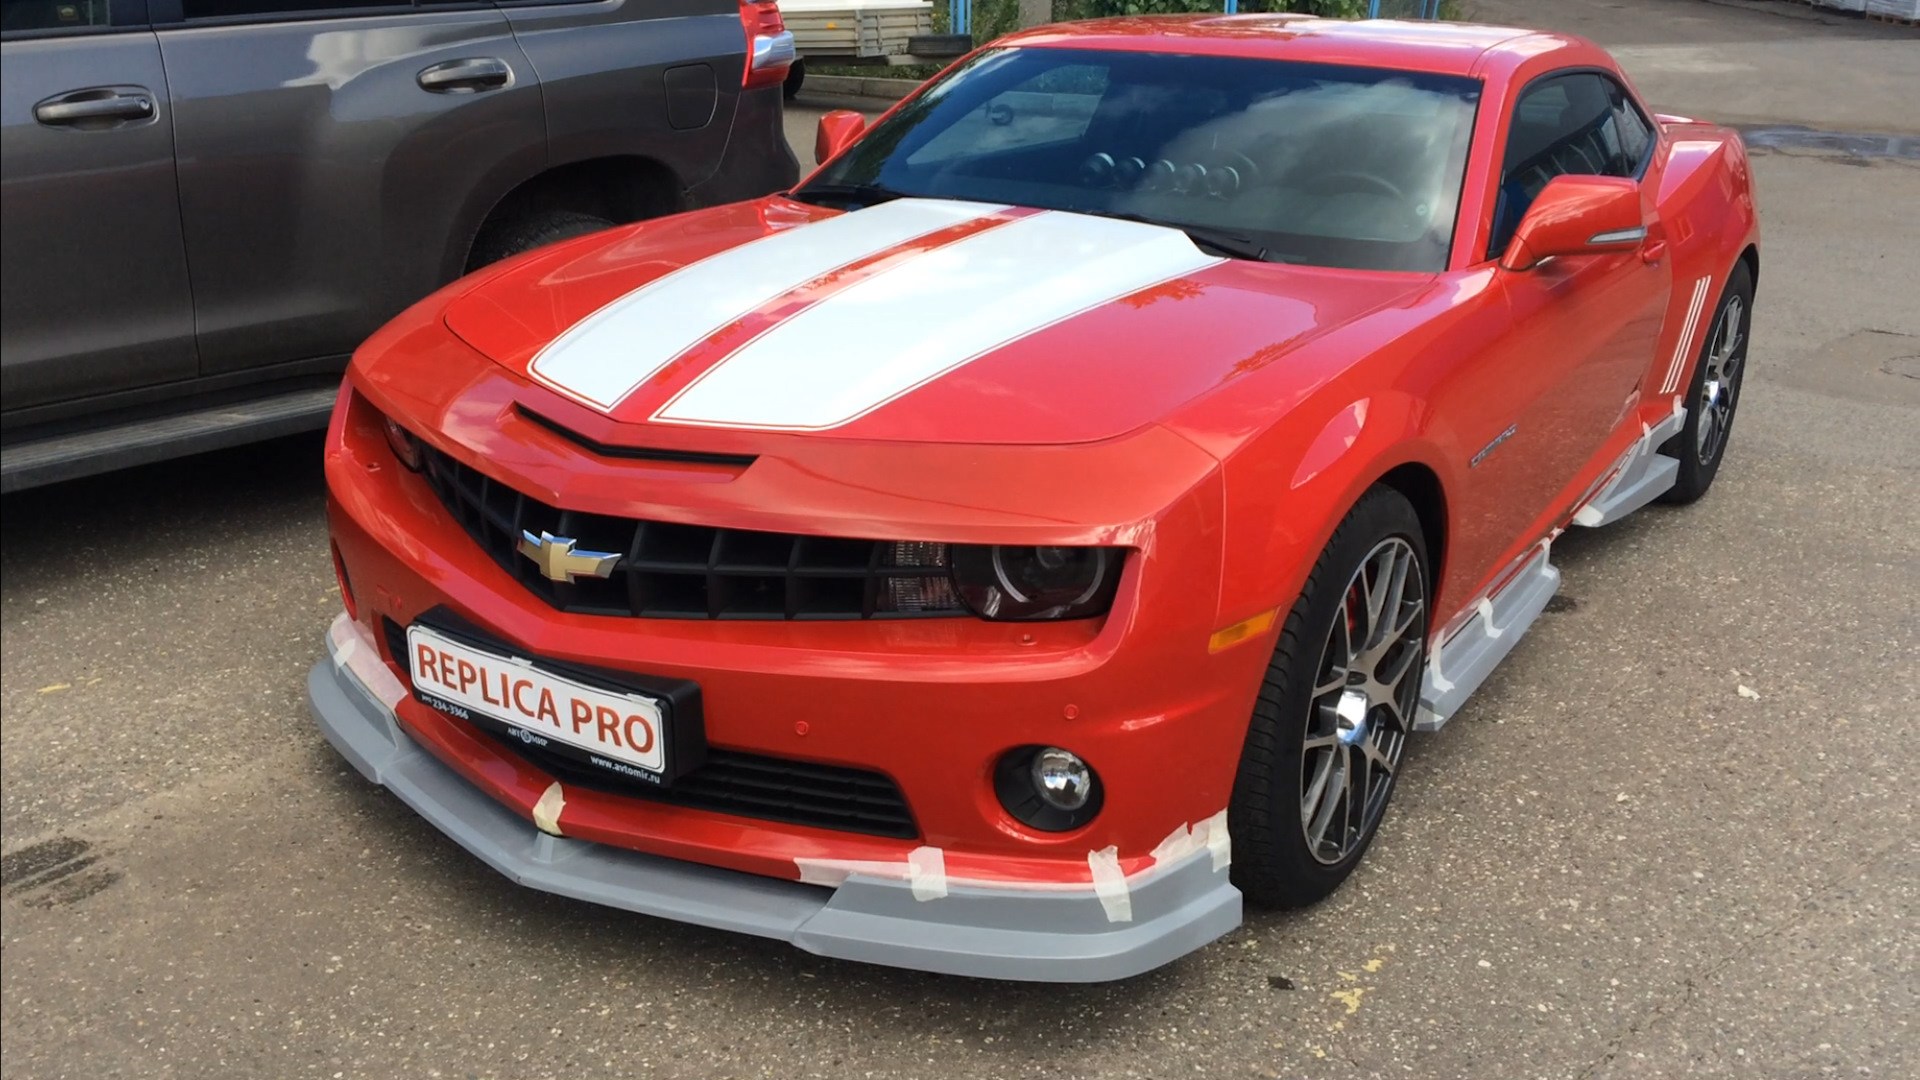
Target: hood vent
x=636 y=453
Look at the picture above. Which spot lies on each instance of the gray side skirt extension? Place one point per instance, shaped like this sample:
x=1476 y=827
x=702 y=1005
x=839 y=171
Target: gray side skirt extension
x=1458 y=667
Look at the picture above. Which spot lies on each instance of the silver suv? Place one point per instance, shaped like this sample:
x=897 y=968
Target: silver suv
x=205 y=205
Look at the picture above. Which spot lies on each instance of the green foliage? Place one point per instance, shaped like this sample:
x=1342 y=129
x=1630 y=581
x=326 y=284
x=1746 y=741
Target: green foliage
x=1332 y=9
x=1102 y=8
x=1095 y=9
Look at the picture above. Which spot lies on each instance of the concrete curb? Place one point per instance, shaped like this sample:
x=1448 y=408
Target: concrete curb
x=856 y=86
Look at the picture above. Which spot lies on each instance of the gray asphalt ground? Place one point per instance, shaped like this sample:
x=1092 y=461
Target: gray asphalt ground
x=1674 y=836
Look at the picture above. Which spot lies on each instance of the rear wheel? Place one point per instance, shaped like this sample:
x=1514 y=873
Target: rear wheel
x=534 y=230
x=1330 y=726
x=796 y=76
x=1714 y=392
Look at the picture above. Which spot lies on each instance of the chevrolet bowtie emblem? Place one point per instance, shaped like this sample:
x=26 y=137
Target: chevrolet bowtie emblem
x=558 y=561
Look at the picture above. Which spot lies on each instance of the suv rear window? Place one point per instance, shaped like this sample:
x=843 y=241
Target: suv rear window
x=227 y=9
x=19 y=16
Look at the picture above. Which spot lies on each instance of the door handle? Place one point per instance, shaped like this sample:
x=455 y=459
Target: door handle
x=97 y=104
x=468 y=76
x=1653 y=251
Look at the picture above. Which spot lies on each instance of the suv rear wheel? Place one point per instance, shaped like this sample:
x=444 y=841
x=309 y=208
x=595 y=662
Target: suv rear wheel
x=535 y=230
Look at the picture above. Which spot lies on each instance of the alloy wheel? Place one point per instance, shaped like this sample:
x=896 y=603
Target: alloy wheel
x=1363 y=704
x=1721 y=385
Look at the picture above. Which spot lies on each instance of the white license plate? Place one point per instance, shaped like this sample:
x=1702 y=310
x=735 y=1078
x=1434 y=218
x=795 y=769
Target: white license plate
x=623 y=729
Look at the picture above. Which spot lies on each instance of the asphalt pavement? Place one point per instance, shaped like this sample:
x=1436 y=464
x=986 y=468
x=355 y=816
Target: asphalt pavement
x=1674 y=836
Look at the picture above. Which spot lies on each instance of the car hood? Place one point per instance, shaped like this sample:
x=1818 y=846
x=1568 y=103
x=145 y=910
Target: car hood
x=918 y=320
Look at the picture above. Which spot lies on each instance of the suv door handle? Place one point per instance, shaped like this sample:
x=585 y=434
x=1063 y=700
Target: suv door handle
x=468 y=76
x=99 y=103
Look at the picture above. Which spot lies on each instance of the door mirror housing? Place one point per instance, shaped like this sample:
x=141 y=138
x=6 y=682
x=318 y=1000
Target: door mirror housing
x=838 y=130
x=1577 y=215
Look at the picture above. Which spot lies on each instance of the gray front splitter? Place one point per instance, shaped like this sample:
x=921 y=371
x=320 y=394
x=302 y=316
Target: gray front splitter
x=1034 y=935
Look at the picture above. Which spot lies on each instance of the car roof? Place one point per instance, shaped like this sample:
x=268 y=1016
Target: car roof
x=1427 y=46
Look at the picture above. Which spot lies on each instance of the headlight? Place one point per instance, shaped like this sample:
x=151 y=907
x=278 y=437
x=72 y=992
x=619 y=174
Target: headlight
x=403 y=444
x=1001 y=582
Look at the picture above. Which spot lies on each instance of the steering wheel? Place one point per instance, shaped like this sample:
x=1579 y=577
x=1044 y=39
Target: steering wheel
x=1326 y=181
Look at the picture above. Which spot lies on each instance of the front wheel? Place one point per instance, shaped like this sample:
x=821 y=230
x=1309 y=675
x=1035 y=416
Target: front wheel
x=1330 y=725
x=1714 y=392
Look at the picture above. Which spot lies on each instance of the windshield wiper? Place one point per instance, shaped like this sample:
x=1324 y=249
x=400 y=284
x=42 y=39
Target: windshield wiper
x=1232 y=245
x=860 y=195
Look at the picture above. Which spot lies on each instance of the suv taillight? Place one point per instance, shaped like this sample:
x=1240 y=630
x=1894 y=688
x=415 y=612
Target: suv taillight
x=769 y=44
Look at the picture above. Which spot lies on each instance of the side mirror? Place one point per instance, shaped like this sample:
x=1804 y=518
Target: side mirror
x=837 y=131
x=1578 y=215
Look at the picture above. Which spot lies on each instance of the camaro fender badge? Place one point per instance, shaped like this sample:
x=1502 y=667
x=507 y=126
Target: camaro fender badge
x=558 y=561
x=1490 y=447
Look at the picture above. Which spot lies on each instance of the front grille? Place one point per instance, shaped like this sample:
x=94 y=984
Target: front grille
x=737 y=783
x=671 y=571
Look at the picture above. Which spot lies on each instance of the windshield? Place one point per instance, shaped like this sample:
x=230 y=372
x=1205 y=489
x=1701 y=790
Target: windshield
x=1309 y=163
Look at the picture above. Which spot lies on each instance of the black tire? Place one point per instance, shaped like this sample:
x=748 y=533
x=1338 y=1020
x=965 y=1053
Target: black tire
x=1274 y=863
x=535 y=230
x=1702 y=445
x=796 y=75
x=940 y=45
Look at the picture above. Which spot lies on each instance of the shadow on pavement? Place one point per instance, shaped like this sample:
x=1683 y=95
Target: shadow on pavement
x=146 y=511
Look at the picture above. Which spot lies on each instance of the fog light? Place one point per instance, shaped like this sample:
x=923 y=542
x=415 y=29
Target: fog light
x=1047 y=788
x=1062 y=779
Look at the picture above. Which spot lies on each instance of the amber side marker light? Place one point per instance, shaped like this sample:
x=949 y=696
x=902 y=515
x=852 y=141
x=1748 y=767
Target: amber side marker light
x=1228 y=637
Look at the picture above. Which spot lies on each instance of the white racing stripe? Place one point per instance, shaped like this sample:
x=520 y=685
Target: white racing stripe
x=879 y=338
x=605 y=356
x=1680 y=351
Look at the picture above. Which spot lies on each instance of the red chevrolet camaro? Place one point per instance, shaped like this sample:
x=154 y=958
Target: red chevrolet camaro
x=1047 y=524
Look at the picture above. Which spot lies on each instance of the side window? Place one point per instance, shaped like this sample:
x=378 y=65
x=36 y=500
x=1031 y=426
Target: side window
x=1579 y=124
x=1636 y=131
x=1053 y=107
x=19 y=16
x=222 y=9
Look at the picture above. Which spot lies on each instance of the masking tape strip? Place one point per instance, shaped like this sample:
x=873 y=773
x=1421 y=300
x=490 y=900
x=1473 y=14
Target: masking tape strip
x=1441 y=684
x=1110 y=885
x=834 y=872
x=1218 y=843
x=546 y=812
x=1209 y=835
x=927 y=873
x=1179 y=844
x=1486 y=616
x=925 y=869
x=353 y=649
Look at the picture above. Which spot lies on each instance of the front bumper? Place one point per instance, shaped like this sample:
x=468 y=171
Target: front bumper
x=1040 y=934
